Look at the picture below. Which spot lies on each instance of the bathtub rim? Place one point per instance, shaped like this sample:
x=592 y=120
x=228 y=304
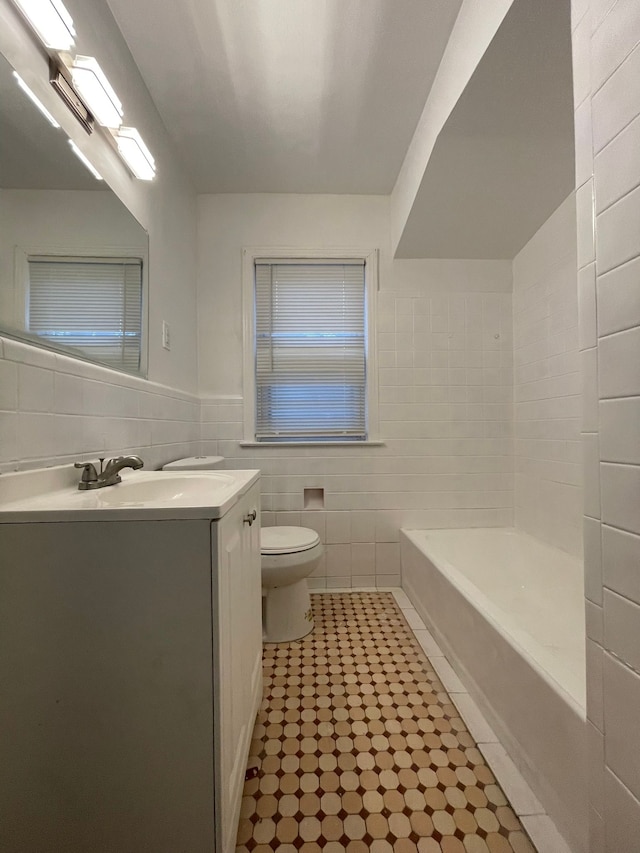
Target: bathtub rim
x=493 y=614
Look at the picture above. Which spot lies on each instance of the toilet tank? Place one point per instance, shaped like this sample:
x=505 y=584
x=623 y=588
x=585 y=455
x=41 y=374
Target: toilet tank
x=195 y=463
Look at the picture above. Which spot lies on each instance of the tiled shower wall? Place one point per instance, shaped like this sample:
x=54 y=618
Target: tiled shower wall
x=548 y=472
x=445 y=389
x=606 y=55
x=55 y=410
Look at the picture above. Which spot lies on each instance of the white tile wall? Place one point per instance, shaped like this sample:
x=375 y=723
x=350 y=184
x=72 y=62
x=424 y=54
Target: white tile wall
x=548 y=482
x=617 y=299
x=445 y=389
x=610 y=60
x=55 y=409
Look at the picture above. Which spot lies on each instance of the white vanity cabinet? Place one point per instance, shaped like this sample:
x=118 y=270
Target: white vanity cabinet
x=238 y=664
x=130 y=677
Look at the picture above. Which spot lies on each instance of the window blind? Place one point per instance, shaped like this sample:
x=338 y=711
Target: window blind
x=310 y=350
x=93 y=305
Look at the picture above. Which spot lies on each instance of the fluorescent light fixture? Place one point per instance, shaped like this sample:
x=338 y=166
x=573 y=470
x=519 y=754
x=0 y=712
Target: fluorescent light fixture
x=135 y=153
x=51 y=21
x=96 y=91
x=45 y=112
x=96 y=174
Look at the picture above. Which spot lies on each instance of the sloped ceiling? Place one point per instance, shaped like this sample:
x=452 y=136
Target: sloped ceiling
x=505 y=158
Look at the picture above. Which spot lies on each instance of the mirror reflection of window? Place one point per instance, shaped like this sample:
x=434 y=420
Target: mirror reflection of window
x=54 y=215
x=93 y=305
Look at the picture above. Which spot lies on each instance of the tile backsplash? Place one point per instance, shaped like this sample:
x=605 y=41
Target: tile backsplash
x=55 y=409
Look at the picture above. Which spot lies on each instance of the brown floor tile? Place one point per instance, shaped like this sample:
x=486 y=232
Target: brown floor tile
x=359 y=749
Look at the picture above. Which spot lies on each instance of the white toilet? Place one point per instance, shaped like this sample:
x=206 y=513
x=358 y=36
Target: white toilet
x=288 y=555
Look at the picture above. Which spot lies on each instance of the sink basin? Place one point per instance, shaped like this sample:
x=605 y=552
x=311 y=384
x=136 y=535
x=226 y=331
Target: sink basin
x=141 y=494
x=174 y=489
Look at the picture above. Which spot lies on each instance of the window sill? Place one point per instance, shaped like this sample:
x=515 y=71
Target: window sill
x=368 y=443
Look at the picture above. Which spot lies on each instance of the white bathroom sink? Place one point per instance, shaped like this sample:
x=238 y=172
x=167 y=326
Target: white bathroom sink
x=174 y=489
x=53 y=495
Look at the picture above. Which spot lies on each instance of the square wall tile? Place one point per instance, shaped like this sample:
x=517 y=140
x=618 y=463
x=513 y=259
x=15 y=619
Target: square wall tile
x=621 y=715
x=620 y=430
x=585 y=223
x=615 y=105
x=613 y=41
x=338 y=527
x=363 y=558
x=620 y=486
x=621 y=814
x=35 y=388
x=595 y=708
x=599 y=10
x=587 y=331
x=387 y=558
x=581 y=50
x=338 y=560
x=595 y=823
x=8 y=386
x=618 y=232
x=621 y=562
x=595 y=764
x=363 y=526
x=617 y=167
x=594 y=621
x=592 y=560
x=618 y=360
x=622 y=629
x=618 y=299
x=589 y=364
x=583 y=142
x=591 y=470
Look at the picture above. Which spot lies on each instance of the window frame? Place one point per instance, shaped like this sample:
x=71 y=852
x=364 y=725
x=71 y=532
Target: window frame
x=371 y=262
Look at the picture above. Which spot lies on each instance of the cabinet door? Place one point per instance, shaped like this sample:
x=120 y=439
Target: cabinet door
x=238 y=682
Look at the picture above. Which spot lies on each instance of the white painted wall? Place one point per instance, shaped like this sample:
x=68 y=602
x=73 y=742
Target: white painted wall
x=29 y=419
x=606 y=57
x=445 y=386
x=476 y=25
x=50 y=221
x=548 y=475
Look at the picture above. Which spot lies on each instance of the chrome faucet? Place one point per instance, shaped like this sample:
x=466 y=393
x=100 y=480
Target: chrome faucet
x=109 y=473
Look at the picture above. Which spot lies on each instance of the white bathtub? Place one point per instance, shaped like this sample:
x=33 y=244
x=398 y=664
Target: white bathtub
x=508 y=611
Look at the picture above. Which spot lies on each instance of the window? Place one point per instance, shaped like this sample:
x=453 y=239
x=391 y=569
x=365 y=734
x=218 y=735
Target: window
x=310 y=368
x=92 y=306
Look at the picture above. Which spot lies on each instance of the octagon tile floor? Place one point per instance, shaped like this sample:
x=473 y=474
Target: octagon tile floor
x=358 y=748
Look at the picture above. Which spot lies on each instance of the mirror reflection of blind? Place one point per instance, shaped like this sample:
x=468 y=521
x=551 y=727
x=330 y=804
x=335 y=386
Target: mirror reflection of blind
x=310 y=350
x=90 y=304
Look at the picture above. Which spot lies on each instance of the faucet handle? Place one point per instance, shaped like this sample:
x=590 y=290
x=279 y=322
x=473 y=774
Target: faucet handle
x=89 y=473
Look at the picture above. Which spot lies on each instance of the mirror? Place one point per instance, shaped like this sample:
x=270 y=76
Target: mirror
x=73 y=260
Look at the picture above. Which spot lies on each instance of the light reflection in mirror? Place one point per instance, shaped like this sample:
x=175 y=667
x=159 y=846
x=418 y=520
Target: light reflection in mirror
x=57 y=218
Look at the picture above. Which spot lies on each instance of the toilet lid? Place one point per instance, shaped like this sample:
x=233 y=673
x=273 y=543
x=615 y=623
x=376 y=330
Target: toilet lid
x=287 y=540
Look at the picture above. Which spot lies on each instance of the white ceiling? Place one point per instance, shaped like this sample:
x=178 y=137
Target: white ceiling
x=290 y=96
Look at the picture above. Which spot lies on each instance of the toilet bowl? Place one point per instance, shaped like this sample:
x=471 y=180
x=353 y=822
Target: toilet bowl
x=288 y=556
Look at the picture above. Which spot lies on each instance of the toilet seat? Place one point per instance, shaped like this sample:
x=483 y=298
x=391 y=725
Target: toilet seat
x=287 y=540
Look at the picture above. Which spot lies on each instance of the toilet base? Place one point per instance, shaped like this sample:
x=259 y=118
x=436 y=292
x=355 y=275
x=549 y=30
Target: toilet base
x=286 y=613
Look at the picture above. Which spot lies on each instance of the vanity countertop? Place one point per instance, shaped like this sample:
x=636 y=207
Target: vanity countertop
x=52 y=495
